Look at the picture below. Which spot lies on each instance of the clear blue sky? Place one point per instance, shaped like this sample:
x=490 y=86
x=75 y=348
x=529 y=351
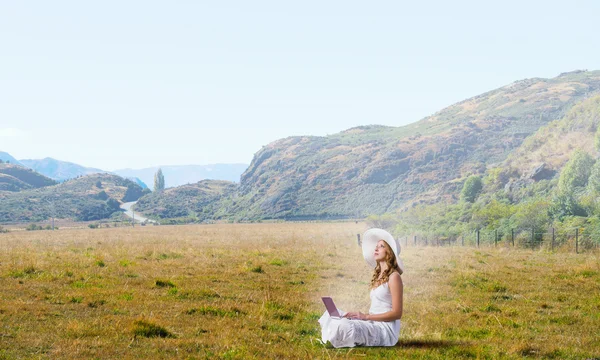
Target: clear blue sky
x=114 y=84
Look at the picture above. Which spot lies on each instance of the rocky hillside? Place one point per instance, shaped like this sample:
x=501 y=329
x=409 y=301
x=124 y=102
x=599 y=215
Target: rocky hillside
x=551 y=181
x=91 y=197
x=543 y=155
x=375 y=169
x=16 y=178
x=553 y=144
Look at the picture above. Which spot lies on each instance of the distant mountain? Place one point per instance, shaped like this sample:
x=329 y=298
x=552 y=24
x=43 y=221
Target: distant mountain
x=90 y=197
x=187 y=174
x=137 y=181
x=63 y=170
x=4 y=156
x=15 y=177
x=59 y=170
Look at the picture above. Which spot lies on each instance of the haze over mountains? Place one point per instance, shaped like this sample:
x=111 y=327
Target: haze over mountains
x=59 y=170
x=174 y=175
x=6 y=157
x=187 y=174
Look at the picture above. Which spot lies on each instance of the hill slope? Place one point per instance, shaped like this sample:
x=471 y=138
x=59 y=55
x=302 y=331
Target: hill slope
x=16 y=178
x=374 y=169
x=551 y=181
x=6 y=157
x=86 y=198
x=193 y=200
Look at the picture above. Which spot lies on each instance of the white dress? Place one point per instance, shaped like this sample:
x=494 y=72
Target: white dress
x=349 y=333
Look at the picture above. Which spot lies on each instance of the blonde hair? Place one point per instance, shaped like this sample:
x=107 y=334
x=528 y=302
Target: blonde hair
x=392 y=266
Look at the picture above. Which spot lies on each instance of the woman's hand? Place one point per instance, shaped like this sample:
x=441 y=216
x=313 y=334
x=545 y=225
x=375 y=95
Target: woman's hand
x=356 y=315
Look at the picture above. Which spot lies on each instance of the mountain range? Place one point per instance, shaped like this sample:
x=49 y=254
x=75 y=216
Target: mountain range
x=174 y=175
x=6 y=157
x=516 y=135
x=376 y=169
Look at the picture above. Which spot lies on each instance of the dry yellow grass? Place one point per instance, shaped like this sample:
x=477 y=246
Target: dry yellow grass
x=253 y=291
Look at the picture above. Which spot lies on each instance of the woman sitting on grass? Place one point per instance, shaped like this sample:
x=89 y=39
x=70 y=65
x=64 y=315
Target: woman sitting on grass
x=381 y=326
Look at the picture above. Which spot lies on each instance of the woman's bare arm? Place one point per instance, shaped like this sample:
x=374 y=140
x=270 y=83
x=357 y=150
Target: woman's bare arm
x=397 y=291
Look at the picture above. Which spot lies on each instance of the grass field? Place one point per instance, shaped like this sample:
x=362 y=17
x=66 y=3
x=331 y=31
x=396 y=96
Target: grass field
x=253 y=291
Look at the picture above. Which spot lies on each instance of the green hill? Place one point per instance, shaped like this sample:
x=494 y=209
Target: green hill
x=91 y=197
x=190 y=201
x=16 y=178
x=552 y=179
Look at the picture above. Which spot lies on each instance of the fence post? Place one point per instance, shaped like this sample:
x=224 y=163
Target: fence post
x=358 y=237
x=406 y=240
x=577 y=241
x=532 y=237
x=426 y=241
x=553 y=239
x=477 y=237
x=512 y=236
x=496 y=238
x=415 y=239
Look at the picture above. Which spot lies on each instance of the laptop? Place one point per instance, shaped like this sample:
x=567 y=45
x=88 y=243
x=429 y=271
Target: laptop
x=331 y=308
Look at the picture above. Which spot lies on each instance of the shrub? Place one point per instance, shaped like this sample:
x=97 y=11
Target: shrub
x=102 y=195
x=148 y=329
x=112 y=204
x=34 y=227
x=576 y=172
x=164 y=283
x=471 y=188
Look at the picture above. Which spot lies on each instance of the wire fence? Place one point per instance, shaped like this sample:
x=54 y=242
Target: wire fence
x=574 y=240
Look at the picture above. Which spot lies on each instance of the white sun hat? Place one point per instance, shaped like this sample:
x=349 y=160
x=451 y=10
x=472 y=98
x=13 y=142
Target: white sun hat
x=370 y=239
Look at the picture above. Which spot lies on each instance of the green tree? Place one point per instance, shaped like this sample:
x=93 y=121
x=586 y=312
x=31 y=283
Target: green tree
x=576 y=172
x=492 y=214
x=113 y=204
x=594 y=179
x=385 y=221
x=471 y=188
x=159 y=181
x=565 y=204
x=597 y=139
x=532 y=214
x=102 y=195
